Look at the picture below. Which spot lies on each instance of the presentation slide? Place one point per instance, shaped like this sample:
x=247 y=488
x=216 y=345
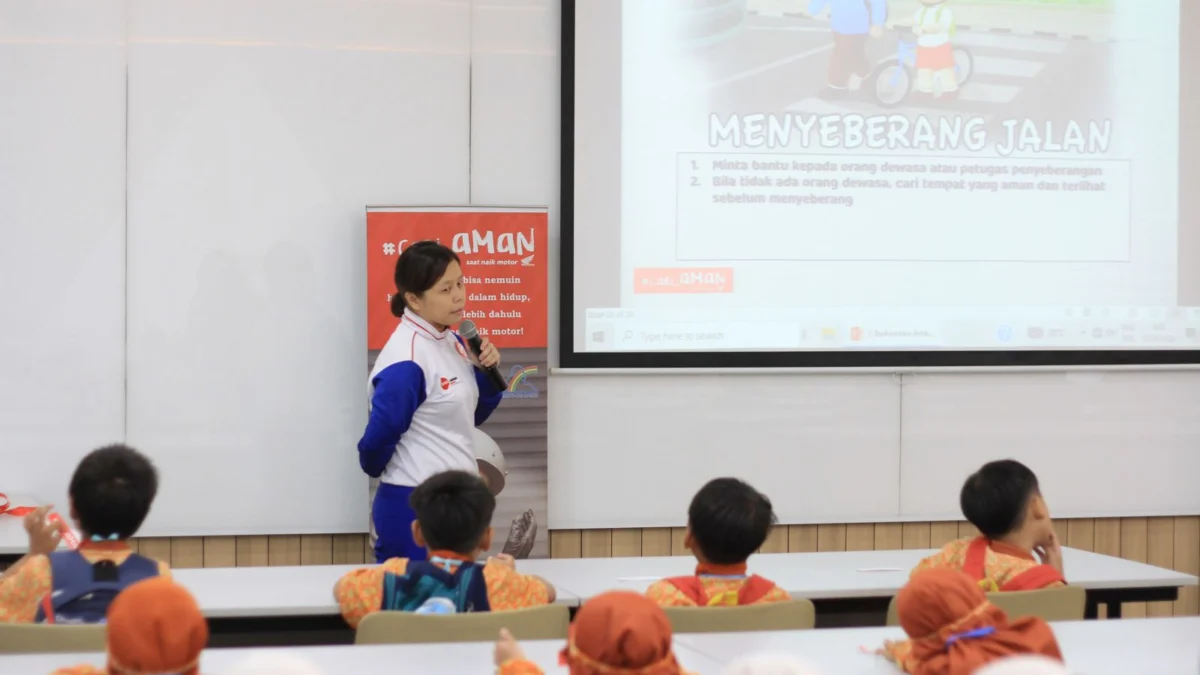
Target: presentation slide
x=881 y=175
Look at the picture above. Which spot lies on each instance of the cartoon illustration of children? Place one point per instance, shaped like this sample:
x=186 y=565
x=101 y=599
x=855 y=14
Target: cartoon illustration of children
x=934 y=27
x=851 y=22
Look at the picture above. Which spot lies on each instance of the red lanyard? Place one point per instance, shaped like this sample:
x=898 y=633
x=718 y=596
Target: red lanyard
x=6 y=508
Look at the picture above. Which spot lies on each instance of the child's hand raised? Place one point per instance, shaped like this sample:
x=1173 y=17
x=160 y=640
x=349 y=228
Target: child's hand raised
x=1050 y=552
x=43 y=535
x=507 y=649
x=504 y=559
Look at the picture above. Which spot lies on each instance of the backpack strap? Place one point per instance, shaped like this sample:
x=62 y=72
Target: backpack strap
x=692 y=588
x=138 y=567
x=1034 y=578
x=755 y=589
x=472 y=589
x=70 y=577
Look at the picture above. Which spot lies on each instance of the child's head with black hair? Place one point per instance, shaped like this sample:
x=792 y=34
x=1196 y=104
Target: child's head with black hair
x=728 y=521
x=454 y=513
x=1004 y=502
x=111 y=492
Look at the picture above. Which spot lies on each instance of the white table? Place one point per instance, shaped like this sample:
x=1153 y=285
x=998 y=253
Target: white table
x=279 y=605
x=264 y=605
x=1149 y=646
x=858 y=581
x=249 y=592
x=471 y=657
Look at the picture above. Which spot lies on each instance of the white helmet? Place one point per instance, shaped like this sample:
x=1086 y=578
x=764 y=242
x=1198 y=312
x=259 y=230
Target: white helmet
x=490 y=460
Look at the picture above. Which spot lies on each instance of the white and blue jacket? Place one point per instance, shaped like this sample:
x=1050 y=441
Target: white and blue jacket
x=426 y=396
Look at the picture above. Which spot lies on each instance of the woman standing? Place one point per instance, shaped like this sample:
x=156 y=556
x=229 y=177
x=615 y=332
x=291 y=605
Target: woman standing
x=427 y=394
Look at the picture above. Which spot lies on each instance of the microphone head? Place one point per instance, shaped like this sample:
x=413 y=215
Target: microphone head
x=468 y=330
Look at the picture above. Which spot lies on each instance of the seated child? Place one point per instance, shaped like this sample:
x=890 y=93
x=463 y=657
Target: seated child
x=614 y=633
x=454 y=514
x=1003 y=501
x=110 y=493
x=727 y=522
x=154 y=626
x=954 y=630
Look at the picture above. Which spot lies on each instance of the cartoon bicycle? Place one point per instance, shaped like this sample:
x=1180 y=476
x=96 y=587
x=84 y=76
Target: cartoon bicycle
x=892 y=80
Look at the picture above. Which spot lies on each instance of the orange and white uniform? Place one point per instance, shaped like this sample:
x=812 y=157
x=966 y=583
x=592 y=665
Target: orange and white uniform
x=716 y=586
x=996 y=566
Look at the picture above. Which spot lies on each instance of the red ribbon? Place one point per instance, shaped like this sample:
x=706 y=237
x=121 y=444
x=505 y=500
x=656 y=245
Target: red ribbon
x=7 y=510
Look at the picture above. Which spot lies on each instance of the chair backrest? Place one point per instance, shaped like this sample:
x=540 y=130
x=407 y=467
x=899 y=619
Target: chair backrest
x=1061 y=603
x=798 y=614
x=548 y=622
x=31 y=638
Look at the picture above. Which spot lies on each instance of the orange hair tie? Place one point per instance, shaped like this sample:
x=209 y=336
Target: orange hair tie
x=572 y=653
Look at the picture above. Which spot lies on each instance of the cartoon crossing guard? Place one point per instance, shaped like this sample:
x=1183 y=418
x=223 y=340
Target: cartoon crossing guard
x=934 y=27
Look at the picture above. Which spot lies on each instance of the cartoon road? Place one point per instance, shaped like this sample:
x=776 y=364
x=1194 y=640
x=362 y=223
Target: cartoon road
x=774 y=64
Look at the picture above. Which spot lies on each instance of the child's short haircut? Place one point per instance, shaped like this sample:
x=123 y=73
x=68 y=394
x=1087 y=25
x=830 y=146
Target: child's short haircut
x=995 y=497
x=454 y=509
x=729 y=521
x=112 y=490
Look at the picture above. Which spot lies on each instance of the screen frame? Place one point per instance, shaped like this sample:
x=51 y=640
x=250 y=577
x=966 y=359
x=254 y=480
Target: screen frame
x=569 y=358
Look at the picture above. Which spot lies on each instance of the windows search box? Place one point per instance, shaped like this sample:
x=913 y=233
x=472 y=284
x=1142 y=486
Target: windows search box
x=704 y=336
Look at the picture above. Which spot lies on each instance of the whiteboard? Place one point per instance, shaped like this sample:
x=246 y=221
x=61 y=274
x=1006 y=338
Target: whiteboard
x=1102 y=443
x=259 y=131
x=630 y=451
x=62 y=238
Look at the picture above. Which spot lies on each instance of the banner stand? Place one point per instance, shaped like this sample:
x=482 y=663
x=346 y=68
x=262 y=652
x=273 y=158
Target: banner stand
x=504 y=253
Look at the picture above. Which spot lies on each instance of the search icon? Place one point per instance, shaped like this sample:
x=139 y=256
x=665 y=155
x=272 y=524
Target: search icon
x=628 y=336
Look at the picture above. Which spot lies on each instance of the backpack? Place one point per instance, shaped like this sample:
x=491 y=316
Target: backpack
x=937 y=18
x=422 y=582
x=751 y=592
x=82 y=591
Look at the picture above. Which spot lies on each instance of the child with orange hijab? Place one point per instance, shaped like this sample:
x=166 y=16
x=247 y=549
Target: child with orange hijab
x=154 y=626
x=615 y=633
x=954 y=630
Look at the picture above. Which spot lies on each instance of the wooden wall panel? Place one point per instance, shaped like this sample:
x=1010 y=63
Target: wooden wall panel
x=1187 y=560
x=350 y=549
x=656 y=541
x=1165 y=542
x=803 y=538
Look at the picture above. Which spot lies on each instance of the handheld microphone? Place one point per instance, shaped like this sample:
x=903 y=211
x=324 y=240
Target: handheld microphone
x=470 y=333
